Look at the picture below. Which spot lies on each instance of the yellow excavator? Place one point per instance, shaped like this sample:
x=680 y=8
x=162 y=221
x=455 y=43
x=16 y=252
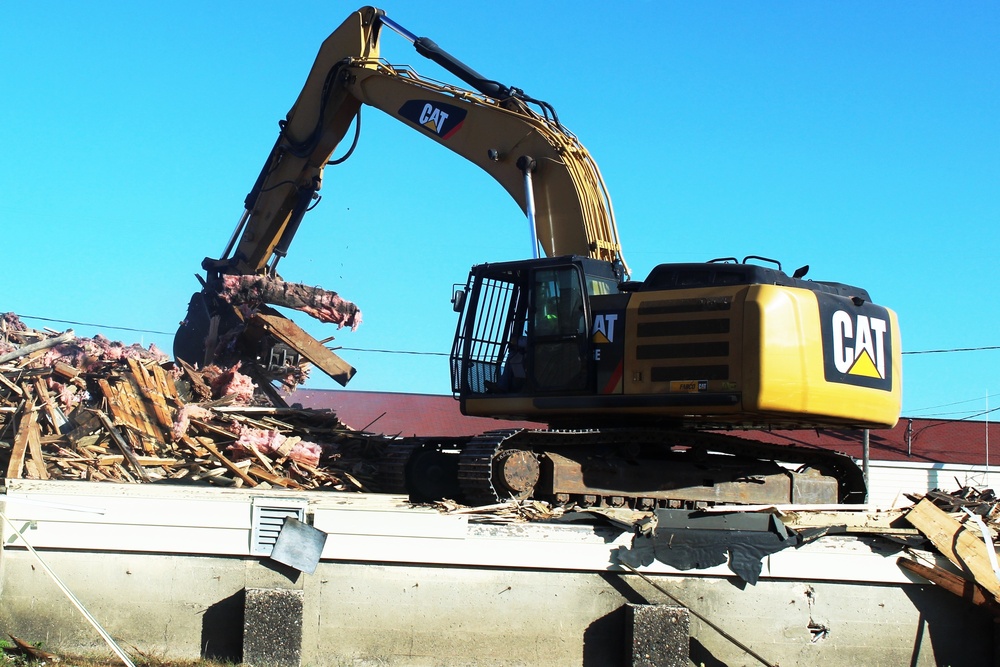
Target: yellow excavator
x=639 y=386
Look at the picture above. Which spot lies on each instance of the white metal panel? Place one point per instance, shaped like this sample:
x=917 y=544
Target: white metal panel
x=119 y=537
x=840 y=558
x=411 y=522
x=167 y=512
x=889 y=481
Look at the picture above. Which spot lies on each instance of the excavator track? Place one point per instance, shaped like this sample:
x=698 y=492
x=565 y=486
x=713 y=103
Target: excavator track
x=424 y=468
x=475 y=467
x=392 y=466
x=643 y=469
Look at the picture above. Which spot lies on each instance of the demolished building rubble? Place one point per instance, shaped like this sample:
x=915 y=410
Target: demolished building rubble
x=93 y=409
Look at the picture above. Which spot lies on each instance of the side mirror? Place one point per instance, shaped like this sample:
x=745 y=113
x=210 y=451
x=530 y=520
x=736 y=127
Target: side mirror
x=457 y=299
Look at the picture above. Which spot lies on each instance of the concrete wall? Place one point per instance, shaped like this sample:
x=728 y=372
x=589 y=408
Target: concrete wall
x=398 y=586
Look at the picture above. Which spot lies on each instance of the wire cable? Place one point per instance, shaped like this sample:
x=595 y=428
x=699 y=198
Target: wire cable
x=91 y=324
x=955 y=349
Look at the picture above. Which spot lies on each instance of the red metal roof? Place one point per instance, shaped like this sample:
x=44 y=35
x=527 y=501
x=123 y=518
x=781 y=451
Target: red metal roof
x=916 y=440
x=400 y=414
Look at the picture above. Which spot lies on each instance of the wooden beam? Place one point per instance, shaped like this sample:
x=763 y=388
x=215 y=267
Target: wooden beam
x=226 y=463
x=27 y=418
x=962 y=546
x=123 y=445
x=25 y=350
x=887 y=522
x=953 y=583
x=35 y=451
x=296 y=338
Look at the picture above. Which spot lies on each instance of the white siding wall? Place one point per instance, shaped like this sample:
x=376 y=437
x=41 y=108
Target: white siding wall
x=889 y=480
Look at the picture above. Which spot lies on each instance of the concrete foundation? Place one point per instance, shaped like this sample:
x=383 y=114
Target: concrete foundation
x=437 y=591
x=658 y=635
x=272 y=628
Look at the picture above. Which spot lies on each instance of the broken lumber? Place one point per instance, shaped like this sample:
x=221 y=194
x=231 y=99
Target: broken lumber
x=293 y=336
x=25 y=350
x=969 y=591
x=16 y=463
x=962 y=546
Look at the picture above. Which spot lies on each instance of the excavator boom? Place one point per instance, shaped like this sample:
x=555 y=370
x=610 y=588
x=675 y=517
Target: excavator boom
x=544 y=167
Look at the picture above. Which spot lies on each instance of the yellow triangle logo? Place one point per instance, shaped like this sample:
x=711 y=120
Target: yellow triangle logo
x=599 y=338
x=432 y=126
x=864 y=366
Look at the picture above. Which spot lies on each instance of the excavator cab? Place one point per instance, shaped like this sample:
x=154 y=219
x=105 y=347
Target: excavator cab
x=525 y=328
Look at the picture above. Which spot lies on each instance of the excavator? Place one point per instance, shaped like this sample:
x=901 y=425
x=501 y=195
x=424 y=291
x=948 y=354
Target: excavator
x=639 y=387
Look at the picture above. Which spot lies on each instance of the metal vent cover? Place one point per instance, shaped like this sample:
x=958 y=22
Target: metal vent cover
x=268 y=516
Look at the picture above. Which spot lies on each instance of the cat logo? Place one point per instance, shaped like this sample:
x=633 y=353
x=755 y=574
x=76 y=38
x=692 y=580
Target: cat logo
x=440 y=119
x=604 y=328
x=857 y=343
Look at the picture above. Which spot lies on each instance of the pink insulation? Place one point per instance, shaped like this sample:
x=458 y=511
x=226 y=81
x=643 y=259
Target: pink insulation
x=316 y=302
x=184 y=416
x=275 y=444
x=230 y=381
x=86 y=353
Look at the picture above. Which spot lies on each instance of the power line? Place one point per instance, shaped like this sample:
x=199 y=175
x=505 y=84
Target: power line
x=948 y=405
x=171 y=333
x=365 y=349
x=91 y=324
x=955 y=349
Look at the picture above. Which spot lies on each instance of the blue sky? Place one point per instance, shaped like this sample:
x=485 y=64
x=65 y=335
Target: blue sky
x=859 y=138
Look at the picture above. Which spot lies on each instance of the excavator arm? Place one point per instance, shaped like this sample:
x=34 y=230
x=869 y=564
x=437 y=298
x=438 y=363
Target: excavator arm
x=538 y=162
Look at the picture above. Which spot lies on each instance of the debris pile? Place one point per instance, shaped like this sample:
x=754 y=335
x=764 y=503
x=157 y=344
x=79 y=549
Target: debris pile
x=94 y=409
x=963 y=527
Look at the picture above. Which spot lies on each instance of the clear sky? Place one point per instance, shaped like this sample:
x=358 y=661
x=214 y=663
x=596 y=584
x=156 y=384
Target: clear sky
x=860 y=138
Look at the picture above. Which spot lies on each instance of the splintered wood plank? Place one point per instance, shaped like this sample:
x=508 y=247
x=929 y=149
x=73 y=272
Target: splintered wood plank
x=144 y=422
x=115 y=401
x=154 y=391
x=272 y=478
x=123 y=445
x=10 y=386
x=296 y=338
x=35 y=451
x=962 y=545
x=953 y=583
x=65 y=371
x=226 y=463
x=21 y=437
x=56 y=417
x=166 y=382
x=198 y=384
x=127 y=406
